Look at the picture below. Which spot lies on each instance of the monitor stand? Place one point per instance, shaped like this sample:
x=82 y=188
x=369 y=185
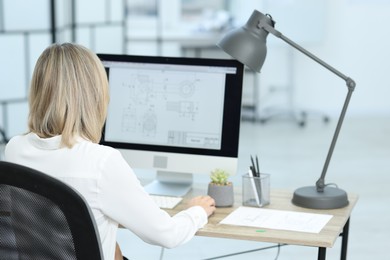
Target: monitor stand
x=170 y=184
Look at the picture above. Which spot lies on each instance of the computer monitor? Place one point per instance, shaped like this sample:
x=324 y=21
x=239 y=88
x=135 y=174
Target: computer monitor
x=177 y=116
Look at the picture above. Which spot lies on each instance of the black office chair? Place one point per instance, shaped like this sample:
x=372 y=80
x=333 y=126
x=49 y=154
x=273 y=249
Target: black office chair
x=43 y=218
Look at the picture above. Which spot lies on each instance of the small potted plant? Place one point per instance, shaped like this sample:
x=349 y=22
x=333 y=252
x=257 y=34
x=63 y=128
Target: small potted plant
x=220 y=188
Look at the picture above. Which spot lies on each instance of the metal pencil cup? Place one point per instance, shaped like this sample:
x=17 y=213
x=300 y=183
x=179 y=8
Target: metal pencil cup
x=256 y=190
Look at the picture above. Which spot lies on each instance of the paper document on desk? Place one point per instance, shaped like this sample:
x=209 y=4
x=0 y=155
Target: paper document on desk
x=277 y=219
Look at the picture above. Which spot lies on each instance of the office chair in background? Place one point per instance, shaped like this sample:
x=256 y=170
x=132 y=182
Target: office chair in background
x=43 y=218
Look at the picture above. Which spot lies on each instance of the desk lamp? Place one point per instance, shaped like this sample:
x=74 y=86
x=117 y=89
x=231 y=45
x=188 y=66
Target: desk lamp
x=248 y=45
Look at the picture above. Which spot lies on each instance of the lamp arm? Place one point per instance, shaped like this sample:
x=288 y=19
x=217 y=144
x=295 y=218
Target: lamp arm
x=276 y=33
x=320 y=184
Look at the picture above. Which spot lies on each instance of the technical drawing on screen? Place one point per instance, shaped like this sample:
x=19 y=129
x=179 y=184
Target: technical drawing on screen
x=177 y=116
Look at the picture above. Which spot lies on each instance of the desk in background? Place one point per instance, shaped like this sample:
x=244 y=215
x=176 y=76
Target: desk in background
x=280 y=200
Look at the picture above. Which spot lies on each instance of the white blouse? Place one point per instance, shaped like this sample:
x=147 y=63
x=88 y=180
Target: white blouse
x=111 y=188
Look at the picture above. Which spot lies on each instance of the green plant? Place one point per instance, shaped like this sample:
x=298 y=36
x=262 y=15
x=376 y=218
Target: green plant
x=220 y=177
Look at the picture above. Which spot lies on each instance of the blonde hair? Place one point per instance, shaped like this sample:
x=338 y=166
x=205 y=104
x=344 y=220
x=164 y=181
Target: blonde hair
x=68 y=94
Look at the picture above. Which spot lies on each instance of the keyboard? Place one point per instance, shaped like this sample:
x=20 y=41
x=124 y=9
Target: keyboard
x=166 y=202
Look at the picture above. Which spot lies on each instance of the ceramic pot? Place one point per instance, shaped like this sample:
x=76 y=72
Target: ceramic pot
x=222 y=194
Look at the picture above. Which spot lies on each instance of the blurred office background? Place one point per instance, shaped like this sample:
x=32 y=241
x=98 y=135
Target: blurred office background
x=289 y=110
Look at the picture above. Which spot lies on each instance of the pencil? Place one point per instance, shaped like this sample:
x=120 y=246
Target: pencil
x=254 y=167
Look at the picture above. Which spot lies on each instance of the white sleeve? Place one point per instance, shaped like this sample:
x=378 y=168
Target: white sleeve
x=124 y=200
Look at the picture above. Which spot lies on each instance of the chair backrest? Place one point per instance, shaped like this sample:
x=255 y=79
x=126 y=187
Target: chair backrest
x=43 y=218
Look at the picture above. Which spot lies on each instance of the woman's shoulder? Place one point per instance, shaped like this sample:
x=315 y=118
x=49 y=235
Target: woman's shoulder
x=102 y=156
x=16 y=141
x=18 y=138
x=94 y=147
x=98 y=151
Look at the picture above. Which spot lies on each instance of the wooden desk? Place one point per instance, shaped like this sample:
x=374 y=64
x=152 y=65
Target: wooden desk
x=280 y=200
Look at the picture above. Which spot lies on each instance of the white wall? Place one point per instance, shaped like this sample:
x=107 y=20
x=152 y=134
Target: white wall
x=347 y=34
x=25 y=33
x=356 y=43
x=350 y=35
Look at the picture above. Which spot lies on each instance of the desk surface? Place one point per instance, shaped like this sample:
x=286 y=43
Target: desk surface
x=280 y=200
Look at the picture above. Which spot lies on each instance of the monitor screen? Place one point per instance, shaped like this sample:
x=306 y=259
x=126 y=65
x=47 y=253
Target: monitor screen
x=178 y=116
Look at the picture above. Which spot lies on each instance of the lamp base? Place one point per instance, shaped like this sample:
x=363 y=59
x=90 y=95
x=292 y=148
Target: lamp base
x=309 y=197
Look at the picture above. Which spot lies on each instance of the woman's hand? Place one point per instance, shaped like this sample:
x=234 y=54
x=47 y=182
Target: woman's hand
x=206 y=202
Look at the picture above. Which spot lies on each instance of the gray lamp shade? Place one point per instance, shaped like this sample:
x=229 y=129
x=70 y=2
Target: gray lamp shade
x=247 y=44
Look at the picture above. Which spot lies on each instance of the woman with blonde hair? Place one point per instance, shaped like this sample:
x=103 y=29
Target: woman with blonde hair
x=68 y=104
